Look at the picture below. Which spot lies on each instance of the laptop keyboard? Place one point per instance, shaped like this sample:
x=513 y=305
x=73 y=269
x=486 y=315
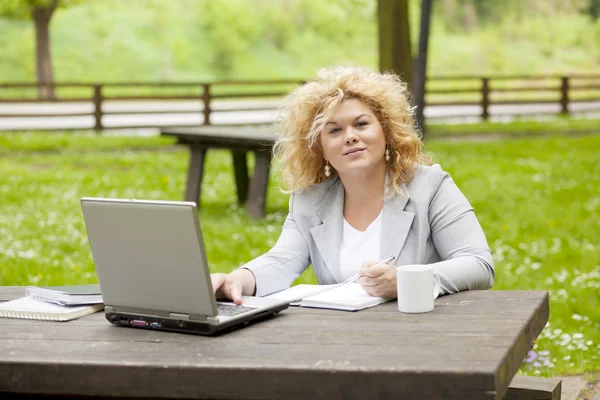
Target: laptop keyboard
x=228 y=310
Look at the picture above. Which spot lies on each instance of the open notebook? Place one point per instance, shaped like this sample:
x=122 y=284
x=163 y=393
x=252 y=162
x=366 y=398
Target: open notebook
x=346 y=297
x=30 y=308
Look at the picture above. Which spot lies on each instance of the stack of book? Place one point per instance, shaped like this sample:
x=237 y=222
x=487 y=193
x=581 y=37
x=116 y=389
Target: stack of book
x=54 y=303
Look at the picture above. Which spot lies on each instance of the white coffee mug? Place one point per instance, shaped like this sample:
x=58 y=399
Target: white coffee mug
x=418 y=287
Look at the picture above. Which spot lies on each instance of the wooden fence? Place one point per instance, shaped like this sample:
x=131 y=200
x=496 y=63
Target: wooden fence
x=484 y=92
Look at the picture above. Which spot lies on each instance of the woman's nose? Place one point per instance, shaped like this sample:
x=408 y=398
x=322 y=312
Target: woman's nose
x=351 y=136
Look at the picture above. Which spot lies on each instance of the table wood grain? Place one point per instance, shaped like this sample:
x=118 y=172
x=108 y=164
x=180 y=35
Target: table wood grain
x=469 y=347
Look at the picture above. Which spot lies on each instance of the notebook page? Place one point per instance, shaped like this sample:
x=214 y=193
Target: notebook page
x=31 y=304
x=30 y=308
x=299 y=292
x=350 y=294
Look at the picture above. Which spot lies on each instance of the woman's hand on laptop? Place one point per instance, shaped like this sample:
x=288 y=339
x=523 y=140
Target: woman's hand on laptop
x=233 y=286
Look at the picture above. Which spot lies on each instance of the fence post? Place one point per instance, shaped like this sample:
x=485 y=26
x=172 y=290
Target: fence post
x=206 y=99
x=98 y=108
x=485 y=98
x=564 y=95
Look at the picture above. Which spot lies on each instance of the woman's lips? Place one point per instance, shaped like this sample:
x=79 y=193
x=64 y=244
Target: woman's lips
x=353 y=151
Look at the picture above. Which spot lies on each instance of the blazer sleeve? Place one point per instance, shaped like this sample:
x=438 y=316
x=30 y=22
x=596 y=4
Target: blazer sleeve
x=280 y=266
x=459 y=240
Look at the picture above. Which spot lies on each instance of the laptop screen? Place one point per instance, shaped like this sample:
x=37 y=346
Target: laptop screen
x=149 y=255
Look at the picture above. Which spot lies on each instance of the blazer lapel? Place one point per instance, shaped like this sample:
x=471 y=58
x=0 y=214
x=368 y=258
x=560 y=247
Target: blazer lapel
x=328 y=235
x=396 y=224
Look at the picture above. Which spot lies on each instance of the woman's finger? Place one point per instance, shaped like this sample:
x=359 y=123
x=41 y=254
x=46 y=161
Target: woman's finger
x=217 y=281
x=375 y=271
x=236 y=293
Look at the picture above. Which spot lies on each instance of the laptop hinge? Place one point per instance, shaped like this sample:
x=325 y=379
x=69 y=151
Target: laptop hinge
x=179 y=316
x=195 y=317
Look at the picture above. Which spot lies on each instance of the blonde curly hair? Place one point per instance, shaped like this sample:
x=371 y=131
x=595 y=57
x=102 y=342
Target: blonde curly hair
x=307 y=108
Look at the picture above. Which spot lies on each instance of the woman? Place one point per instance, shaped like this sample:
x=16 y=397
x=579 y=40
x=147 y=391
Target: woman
x=361 y=189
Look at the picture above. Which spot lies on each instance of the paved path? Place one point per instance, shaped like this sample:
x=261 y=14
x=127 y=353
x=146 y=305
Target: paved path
x=177 y=113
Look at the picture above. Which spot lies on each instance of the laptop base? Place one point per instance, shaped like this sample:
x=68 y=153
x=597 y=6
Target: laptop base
x=188 y=326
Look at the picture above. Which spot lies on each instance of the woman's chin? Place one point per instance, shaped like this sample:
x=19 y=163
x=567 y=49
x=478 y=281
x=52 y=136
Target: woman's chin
x=359 y=167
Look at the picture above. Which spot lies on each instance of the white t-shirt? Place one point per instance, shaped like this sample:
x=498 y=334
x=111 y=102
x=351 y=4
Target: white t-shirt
x=358 y=247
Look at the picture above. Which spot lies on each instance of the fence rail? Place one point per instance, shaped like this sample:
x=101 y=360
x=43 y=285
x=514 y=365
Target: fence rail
x=484 y=92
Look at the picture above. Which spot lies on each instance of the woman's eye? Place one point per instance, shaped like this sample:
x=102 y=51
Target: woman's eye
x=334 y=130
x=362 y=123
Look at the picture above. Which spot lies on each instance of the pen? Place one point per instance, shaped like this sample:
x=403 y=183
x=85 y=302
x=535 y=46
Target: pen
x=380 y=262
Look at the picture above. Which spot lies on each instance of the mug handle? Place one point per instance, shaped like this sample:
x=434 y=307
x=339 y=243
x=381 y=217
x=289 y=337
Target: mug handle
x=437 y=286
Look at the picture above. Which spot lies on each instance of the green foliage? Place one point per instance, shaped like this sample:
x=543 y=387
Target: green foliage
x=22 y=9
x=516 y=43
x=204 y=40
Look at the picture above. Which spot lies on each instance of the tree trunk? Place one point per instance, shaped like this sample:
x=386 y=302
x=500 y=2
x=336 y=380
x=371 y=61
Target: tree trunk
x=594 y=9
x=41 y=18
x=470 y=16
x=394 y=38
x=420 y=69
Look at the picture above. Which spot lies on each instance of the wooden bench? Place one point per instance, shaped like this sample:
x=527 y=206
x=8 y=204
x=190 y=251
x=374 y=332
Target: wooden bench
x=239 y=140
x=533 y=388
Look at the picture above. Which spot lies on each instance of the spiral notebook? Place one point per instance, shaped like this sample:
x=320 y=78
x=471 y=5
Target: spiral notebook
x=66 y=295
x=30 y=308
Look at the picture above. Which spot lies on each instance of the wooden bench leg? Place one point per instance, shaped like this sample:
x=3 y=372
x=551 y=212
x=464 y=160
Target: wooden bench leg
x=240 y=168
x=257 y=197
x=195 y=171
x=533 y=388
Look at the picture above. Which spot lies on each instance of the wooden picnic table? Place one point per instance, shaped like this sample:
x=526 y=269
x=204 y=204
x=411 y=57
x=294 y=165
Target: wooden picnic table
x=469 y=347
x=239 y=140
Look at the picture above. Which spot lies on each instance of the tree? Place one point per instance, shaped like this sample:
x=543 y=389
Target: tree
x=420 y=69
x=394 y=38
x=395 y=51
x=40 y=11
x=593 y=9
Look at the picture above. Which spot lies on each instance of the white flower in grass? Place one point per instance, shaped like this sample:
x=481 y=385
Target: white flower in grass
x=577 y=317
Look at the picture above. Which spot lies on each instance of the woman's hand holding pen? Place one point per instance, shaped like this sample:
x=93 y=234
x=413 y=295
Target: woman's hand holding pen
x=378 y=279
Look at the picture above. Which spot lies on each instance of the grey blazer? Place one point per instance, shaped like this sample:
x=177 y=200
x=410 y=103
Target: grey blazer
x=433 y=224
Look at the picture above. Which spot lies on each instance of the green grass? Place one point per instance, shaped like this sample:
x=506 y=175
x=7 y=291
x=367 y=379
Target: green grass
x=538 y=201
x=516 y=128
x=69 y=141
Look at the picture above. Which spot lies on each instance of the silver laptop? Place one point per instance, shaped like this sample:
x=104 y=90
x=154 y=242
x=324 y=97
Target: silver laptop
x=152 y=268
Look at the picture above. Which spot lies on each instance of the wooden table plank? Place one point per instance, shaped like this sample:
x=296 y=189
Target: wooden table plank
x=11 y=292
x=470 y=346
